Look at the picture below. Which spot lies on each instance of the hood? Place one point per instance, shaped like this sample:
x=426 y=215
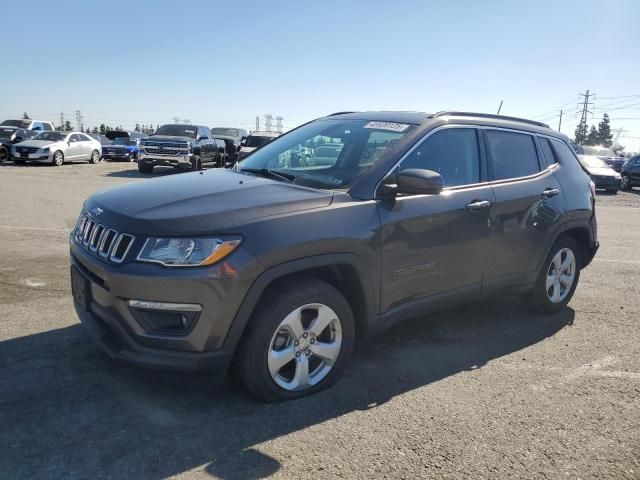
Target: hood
x=36 y=143
x=168 y=138
x=602 y=172
x=197 y=203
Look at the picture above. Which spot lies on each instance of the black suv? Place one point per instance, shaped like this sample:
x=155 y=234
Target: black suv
x=180 y=146
x=630 y=173
x=277 y=267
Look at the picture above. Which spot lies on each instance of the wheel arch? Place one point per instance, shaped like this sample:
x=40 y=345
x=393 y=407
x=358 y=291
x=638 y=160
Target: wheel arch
x=343 y=271
x=581 y=231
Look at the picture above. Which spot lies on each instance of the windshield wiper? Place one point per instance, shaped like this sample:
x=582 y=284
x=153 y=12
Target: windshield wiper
x=266 y=172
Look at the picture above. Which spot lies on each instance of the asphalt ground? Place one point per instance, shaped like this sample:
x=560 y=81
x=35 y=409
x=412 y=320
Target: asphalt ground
x=487 y=390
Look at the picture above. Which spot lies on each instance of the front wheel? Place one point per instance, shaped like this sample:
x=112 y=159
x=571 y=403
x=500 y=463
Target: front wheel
x=298 y=341
x=95 y=157
x=625 y=182
x=558 y=279
x=196 y=163
x=58 y=159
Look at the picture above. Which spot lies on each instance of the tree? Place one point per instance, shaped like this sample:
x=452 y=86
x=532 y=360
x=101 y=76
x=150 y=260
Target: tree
x=25 y=116
x=95 y=130
x=103 y=129
x=592 y=138
x=604 y=132
x=137 y=129
x=581 y=134
x=67 y=126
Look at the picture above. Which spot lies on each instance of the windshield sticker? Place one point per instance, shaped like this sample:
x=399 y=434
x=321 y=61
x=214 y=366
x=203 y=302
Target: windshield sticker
x=391 y=126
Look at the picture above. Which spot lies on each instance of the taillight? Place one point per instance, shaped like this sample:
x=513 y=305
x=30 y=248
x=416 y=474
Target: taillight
x=592 y=186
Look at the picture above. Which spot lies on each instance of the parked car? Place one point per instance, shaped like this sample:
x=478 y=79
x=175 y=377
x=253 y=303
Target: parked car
x=29 y=124
x=179 y=146
x=605 y=154
x=326 y=154
x=604 y=177
x=254 y=141
x=57 y=148
x=124 y=145
x=631 y=173
x=233 y=137
x=11 y=135
x=278 y=271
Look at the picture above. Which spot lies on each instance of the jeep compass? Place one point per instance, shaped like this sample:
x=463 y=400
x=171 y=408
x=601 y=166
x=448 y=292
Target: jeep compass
x=276 y=268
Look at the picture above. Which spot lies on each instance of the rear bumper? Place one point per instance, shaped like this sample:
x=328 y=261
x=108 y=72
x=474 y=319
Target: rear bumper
x=610 y=183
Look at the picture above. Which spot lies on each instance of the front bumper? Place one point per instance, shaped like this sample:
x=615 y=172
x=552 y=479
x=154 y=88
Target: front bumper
x=118 y=156
x=609 y=183
x=31 y=157
x=165 y=160
x=110 y=321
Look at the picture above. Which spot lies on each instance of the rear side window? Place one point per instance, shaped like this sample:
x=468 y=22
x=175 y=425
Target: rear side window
x=547 y=151
x=563 y=153
x=512 y=154
x=452 y=152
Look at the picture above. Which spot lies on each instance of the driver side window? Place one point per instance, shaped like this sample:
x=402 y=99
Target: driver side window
x=452 y=152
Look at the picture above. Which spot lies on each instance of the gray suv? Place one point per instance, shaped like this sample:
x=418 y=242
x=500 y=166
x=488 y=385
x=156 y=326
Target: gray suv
x=276 y=268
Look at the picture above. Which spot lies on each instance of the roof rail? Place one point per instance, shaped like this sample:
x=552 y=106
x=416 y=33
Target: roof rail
x=490 y=115
x=338 y=113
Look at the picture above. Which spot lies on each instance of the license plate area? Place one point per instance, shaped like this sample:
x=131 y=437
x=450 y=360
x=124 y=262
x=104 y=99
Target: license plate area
x=80 y=288
x=24 y=155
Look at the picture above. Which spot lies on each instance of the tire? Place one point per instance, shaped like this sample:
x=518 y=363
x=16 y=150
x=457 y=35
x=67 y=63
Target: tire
x=270 y=331
x=196 y=164
x=95 y=157
x=132 y=158
x=58 y=159
x=625 y=182
x=145 y=168
x=4 y=154
x=554 y=296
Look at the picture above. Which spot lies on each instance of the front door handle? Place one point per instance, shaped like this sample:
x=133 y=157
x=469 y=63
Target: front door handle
x=478 y=205
x=550 y=192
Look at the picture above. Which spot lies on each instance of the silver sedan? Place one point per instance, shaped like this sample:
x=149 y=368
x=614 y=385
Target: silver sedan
x=57 y=148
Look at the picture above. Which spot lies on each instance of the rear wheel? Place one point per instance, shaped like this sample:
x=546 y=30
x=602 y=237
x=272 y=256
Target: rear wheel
x=558 y=279
x=95 y=157
x=298 y=342
x=58 y=159
x=625 y=182
x=145 y=168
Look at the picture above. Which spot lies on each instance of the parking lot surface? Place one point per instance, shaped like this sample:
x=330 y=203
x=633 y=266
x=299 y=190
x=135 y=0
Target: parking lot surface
x=487 y=390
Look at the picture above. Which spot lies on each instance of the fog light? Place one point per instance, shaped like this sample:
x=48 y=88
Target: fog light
x=165 y=318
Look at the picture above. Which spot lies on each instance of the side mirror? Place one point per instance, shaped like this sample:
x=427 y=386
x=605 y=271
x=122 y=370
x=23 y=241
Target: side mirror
x=412 y=181
x=239 y=148
x=220 y=149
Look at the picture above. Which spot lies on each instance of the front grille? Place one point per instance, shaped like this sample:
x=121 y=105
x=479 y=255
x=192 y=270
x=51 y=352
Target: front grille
x=102 y=240
x=165 y=145
x=26 y=149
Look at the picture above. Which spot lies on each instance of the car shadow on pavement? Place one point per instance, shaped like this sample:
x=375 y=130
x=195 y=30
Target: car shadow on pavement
x=68 y=411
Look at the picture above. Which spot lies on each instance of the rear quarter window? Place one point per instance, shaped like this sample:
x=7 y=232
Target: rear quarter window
x=512 y=154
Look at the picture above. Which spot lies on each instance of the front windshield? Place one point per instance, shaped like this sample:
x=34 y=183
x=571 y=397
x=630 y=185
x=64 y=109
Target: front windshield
x=592 y=162
x=177 y=131
x=329 y=153
x=226 y=132
x=16 y=123
x=597 y=151
x=7 y=133
x=51 y=136
x=124 y=141
x=256 y=141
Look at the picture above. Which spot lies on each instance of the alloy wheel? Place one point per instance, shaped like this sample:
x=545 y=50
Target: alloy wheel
x=624 y=182
x=58 y=159
x=561 y=275
x=305 y=347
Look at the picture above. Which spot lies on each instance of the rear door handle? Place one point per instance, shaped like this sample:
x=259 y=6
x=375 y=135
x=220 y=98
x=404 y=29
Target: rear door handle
x=550 y=192
x=478 y=205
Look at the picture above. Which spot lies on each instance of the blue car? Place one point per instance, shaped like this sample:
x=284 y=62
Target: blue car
x=124 y=146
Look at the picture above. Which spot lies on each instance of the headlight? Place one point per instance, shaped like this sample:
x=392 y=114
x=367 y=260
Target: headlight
x=45 y=150
x=186 y=252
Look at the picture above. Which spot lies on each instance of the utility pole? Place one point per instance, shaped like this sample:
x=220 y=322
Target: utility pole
x=257 y=123
x=79 y=119
x=279 y=124
x=582 y=126
x=500 y=107
x=560 y=122
x=62 y=120
x=268 y=121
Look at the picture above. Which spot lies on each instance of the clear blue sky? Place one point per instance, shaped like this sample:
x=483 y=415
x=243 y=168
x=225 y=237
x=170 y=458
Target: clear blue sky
x=225 y=62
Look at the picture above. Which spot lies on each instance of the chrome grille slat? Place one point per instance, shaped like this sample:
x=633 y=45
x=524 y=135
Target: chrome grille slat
x=107 y=243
